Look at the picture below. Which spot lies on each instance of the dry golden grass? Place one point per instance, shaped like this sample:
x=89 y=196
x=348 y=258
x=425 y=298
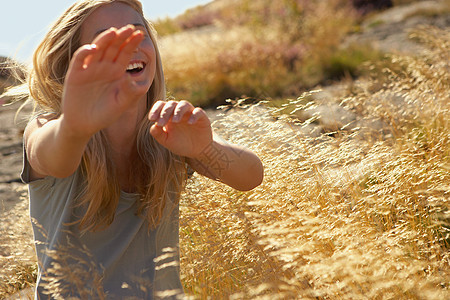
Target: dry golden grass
x=260 y=49
x=353 y=216
x=18 y=267
x=348 y=215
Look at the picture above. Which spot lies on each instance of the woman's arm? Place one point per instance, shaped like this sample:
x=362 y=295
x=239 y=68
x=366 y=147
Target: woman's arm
x=51 y=148
x=231 y=164
x=186 y=130
x=97 y=90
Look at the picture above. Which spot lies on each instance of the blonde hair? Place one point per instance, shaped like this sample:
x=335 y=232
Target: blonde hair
x=158 y=171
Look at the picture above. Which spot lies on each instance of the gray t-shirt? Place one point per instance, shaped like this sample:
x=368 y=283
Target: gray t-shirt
x=125 y=260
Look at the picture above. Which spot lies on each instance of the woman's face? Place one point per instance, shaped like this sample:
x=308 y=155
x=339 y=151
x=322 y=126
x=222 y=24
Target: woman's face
x=142 y=66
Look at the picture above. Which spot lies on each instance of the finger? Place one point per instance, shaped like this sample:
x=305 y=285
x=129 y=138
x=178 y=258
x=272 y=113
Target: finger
x=105 y=37
x=128 y=47
x=197 y=114
x=166 y=113
x=80 y=60
x=154 y=113
x=158 y=133
x=182 y=110
x=102 y=41
x=113 y=49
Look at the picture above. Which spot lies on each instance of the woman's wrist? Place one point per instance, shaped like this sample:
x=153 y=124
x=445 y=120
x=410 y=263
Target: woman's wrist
x=73 y=133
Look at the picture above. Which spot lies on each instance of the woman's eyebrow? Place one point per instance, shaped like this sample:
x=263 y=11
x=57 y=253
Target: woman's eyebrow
x=102 y=30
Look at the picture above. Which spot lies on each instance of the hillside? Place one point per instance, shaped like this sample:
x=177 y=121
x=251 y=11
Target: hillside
x=355 y=201
x=268 y=50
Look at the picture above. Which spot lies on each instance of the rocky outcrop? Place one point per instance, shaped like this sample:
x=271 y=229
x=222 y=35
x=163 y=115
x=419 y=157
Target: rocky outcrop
x=389 y=31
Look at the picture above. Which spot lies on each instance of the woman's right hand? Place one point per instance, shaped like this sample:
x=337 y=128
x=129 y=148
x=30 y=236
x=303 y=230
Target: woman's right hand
x=97 y=88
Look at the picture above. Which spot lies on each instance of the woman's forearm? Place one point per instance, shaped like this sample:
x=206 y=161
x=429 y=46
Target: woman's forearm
x=231 y=164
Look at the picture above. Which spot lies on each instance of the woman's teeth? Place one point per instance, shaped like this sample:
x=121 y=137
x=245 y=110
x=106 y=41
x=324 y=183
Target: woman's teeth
x=135 y=67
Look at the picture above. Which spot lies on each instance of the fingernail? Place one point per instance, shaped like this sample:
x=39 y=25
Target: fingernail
x=152 y=117
x=176 y=119
x=161 y=122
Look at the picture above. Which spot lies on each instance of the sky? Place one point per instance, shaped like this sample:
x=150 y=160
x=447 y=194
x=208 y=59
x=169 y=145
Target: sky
x=23 y=23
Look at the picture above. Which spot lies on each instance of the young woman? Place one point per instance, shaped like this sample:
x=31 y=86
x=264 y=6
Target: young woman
x=106 y=156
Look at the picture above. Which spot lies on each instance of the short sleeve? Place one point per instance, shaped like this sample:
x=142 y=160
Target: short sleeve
x=25 y=174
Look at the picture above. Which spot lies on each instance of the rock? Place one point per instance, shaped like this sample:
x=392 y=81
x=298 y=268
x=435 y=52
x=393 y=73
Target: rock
x=370 y=127
x=332 y=116
x=388 y=31
x=402 y=13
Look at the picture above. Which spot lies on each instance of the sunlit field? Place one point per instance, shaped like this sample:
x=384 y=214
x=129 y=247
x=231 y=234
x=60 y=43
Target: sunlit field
x=351 y=214
x=355 y=210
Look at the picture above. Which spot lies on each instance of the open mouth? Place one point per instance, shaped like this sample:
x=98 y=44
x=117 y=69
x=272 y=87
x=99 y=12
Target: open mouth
x=135 y=68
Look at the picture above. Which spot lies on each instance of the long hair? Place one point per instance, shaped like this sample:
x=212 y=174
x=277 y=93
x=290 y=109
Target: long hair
x=158 y=173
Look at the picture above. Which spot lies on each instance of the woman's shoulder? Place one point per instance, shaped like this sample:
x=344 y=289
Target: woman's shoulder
x=39 y=120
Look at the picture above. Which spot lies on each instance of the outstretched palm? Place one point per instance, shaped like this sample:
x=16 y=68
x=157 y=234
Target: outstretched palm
x=97 y=88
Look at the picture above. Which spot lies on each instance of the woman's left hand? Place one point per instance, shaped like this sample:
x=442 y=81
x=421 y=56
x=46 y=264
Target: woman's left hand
x=180 y=127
